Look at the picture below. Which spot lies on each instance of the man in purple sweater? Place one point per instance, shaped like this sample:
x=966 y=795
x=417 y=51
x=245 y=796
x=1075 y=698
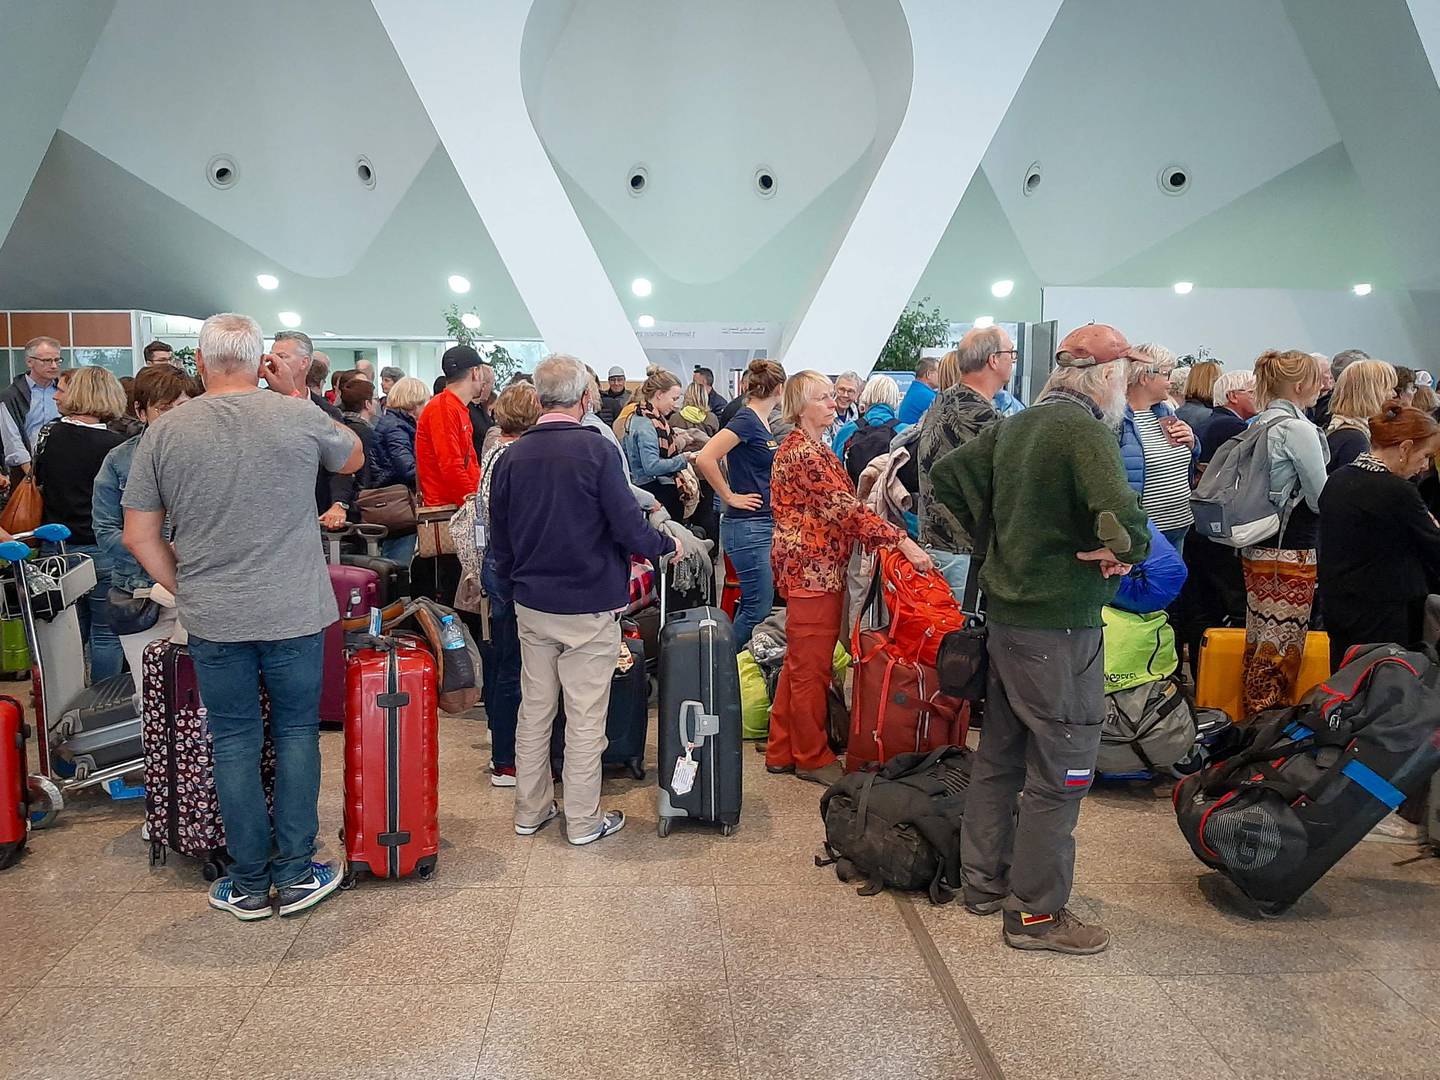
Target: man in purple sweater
x=563 y=526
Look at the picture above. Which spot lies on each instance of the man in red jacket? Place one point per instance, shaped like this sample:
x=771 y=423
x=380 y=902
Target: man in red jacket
x=447 y=468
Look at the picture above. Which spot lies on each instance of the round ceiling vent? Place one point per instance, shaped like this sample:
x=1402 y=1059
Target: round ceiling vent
x=222 y=172
x=365 y=172
x=638 y=180
x=1031 y=182
x=765 y=183
x=1174 y=179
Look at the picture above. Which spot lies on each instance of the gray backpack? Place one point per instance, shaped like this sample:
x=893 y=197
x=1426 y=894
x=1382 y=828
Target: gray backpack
x=1232 y=502
x=1147 y=728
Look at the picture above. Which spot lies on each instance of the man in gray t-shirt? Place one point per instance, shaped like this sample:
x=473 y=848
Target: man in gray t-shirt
x=237 y=481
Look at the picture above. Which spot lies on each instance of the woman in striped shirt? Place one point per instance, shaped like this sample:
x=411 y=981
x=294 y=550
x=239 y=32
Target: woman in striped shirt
x=1158 y=448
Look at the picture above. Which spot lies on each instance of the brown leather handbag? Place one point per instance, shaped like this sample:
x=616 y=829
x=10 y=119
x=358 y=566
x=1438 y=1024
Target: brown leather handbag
x=24 y=509
x=392 y=506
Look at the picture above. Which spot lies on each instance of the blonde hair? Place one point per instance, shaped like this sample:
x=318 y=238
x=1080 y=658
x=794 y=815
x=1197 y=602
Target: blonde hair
x=657 y=382
x=1278 y=373
x=879 y=390
x=697 y=394
x=517 y=408
x=93 y=391
x=798 y=393
x=406 y=394
x=1425 y=399
x=1362 y=389
x=1201 y=383
x=1159 y=356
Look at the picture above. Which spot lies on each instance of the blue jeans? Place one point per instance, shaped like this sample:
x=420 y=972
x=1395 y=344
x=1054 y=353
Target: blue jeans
x=399 y=549
x=502 y=679
x=1177 y=538
x=229 y=673
x=106 y=656
x=746 y=541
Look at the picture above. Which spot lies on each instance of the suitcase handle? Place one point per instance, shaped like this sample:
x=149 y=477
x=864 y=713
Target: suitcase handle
x=702 y=723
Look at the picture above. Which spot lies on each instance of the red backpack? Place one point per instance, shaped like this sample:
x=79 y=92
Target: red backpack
x=922 y=608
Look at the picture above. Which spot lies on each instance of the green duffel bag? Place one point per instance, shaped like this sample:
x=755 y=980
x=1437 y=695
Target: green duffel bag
x=755 y=699
x=14 y=653
x=1139 y=649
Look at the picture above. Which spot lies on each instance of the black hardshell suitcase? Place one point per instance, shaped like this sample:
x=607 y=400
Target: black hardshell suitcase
x=394 y=577
x=699 y=714
x=626 y=721
x=1311 y=781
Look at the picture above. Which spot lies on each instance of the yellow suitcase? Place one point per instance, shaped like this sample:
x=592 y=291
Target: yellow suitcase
x=1222 y=659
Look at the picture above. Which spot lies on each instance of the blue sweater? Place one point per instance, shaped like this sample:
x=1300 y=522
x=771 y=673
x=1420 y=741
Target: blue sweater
x=563 y=524
x=916 y=400
x=1131 y=451
x=392 y=450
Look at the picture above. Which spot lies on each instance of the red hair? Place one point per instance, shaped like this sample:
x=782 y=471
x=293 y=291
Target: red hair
x=1398 y=423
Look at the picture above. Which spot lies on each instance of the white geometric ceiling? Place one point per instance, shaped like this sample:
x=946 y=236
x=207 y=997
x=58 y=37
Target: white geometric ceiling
x=1315 y=122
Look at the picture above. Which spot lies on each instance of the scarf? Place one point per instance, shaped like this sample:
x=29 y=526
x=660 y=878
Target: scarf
x=1338 y=423
x=663 y=433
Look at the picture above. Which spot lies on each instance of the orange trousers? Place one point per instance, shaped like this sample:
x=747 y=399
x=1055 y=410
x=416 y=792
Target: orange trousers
x=797 y=716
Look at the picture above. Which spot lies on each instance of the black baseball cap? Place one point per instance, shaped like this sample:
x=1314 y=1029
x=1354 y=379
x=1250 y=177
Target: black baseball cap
x=459 y=358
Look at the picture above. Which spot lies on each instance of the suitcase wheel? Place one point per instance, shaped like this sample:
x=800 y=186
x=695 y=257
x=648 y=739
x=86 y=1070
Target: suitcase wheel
x=637 y=768
x=663 y=826
x=727 y=830
x=349 y=878
x=46 y=802
x=212 y=870
x=425 y=869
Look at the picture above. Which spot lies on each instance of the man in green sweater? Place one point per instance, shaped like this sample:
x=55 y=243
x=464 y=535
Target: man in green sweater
x=1061 y=525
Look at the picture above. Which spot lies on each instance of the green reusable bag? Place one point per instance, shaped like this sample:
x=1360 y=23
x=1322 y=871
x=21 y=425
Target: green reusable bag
x=1138 y=648
x=754 y=701
x=14 y=653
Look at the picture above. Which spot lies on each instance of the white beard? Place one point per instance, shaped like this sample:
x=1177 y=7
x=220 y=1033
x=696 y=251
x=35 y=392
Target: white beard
x=1114 y=410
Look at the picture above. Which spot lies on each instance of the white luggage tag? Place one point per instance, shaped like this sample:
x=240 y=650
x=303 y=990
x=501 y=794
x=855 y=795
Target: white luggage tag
x=684 y=779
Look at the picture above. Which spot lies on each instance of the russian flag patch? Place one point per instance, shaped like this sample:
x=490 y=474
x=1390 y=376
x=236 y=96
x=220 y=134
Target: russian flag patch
x=1078 y=777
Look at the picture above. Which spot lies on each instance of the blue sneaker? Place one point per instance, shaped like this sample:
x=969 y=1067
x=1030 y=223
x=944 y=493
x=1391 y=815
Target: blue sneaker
x=225 y=897
x=308 y=891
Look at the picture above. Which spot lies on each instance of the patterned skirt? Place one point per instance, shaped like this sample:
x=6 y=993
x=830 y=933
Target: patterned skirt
x=1279 y=591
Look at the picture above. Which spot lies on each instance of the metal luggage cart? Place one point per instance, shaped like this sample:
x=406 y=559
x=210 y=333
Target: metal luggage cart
x=41 y=590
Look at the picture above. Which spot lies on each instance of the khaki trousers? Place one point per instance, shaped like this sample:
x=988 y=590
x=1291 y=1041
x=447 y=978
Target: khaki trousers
x=576 y=654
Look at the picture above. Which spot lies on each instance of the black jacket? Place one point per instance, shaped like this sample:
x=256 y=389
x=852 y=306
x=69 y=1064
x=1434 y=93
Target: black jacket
x=611 y=403
x=1378 y=542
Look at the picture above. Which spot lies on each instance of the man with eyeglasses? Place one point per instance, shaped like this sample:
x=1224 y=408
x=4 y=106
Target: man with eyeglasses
x=29 y=402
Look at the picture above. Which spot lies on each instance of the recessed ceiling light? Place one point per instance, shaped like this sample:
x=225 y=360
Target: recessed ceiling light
x=267 y=281
x=459 y=284
x=645 y=322
x=984 y=322
x=1363 y=289
x=1002 y=289
x=641 y=287
x=289 y=319
x=328 y=333
x=1182 y=288
x=470 y=320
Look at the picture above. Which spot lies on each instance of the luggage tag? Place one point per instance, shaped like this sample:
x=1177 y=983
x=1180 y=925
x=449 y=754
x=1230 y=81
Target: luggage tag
x=684 y=778
x=479 y=537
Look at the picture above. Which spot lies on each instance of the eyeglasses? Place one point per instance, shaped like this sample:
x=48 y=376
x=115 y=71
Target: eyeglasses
x=44 y=359
x=1151 y=369
x=1006 y=352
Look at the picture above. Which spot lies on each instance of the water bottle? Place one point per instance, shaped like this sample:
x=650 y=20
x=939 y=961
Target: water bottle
x=451 y=636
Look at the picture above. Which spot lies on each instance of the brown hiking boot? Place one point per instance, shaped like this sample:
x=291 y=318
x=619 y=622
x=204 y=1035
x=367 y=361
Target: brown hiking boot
x=1061 y=932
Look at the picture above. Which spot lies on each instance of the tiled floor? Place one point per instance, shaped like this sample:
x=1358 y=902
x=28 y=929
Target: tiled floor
x=699 y=956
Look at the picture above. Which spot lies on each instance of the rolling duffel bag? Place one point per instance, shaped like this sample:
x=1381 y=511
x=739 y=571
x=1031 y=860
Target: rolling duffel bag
x=1308 y=782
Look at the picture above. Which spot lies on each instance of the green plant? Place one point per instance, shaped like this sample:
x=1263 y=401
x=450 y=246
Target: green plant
x=185 y=357
x=917 y=328
x=497 y=356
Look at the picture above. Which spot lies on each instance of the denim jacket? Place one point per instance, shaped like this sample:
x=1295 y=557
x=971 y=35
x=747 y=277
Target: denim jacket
x=642 y=450
x=1298 y=455
x=108 y=518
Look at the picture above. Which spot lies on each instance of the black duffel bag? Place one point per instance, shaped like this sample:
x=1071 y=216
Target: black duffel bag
x=1306 y=783
x=899 y=827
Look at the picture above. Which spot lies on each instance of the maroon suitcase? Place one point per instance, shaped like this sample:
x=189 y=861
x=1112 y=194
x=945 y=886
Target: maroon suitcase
x=392 y=760
x=357 y=590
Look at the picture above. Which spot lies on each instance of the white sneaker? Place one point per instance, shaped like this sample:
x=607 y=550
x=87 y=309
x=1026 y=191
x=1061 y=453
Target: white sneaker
x=531 y=830
x=1393 y=829
x=502 y=776
x=612 y=822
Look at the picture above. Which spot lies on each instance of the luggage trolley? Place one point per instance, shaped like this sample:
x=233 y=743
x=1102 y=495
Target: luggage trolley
x=41 y=591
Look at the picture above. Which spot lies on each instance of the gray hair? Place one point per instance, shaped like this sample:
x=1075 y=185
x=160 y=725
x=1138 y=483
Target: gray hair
x=1159 y=356
x=300 y=338
x=853 y=377
x=561 y=381
x=35 y=342
x=1103 y=384
x=880 y=390
x=926 y=365
x=1232 y=382
x=231 y=344
x=1344 y=358
x=977 y=347
x=395 y=374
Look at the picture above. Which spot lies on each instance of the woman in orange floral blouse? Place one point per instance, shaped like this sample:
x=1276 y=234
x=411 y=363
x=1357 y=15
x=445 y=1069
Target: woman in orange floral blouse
x=818 y=520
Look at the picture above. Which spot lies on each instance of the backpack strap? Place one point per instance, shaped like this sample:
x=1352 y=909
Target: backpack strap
x=940 y=833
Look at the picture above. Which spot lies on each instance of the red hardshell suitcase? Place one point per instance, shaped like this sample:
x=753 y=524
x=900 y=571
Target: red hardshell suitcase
x=392 y=760
x=896 y=707
x=357 y=590
x=14 y=784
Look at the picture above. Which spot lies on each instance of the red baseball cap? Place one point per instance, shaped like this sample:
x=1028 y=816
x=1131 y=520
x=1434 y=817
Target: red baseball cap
x=1091 y=345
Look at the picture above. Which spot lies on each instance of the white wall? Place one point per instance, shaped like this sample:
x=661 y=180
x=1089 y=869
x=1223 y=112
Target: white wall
x=1236 y=325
